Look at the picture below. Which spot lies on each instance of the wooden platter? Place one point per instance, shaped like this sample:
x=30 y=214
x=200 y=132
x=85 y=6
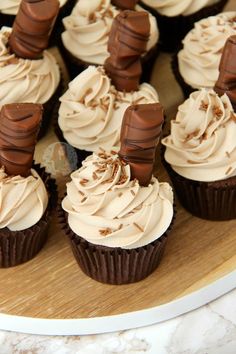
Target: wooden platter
x=51 y=295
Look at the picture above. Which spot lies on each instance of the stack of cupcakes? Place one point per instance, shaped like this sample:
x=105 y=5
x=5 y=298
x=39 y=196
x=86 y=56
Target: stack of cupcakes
x=28 y=73
x=91 y=109
x=116 y=214
x=87 y=32
x=28 y=194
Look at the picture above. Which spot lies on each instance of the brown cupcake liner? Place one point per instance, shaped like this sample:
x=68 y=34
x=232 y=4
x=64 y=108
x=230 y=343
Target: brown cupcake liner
x=17 y=247
x=173 y=29
x=114 y=265
x=186 y=88
x=207 y=200
x=75 y=66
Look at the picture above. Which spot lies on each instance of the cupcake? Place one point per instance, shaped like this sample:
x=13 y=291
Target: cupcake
x=196 y=65
x=87 y=32
x=27 y=192
x=116 y=214
x=200 y=155
x=9 y=9
x=91 y=109
x=176 y=18
x=28 y=73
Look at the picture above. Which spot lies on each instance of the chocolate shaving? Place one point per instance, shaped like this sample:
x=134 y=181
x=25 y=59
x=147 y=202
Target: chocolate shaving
x=138 y=227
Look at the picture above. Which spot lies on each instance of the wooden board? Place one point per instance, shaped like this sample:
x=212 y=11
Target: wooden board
x=51 y=286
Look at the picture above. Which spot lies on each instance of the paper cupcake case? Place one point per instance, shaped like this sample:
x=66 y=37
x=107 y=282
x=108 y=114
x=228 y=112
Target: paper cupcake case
x=114 y=265
x=18 y=247
x=173 y=29
x=207 y=200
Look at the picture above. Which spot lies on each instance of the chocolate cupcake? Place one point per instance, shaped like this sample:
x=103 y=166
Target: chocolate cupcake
x=196 y=64
x=9 y=10
x=116 y=214
x=91 y=111
x=87 y=32
x=176 y=18
x=28 y=194
x=200 y=154
x=28 y=73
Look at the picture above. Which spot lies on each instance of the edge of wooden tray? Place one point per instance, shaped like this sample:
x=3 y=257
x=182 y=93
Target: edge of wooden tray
x=97 y=325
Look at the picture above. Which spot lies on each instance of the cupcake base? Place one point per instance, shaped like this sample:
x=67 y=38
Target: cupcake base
x=114 y=265
x=75 y=66
x=206 y=200
x=173 y=29
x=17 y=247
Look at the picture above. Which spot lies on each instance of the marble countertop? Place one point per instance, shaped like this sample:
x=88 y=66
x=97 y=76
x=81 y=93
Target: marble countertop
x=210 y=329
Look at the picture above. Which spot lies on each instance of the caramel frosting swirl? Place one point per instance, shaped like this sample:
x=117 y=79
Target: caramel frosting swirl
x=202 y=143
x=10 y=7
x=92 y=109
x=107 y=208
x=22 y=200
x=173 y=8
x=24 y=80
x=88 y=27
x=202 y=49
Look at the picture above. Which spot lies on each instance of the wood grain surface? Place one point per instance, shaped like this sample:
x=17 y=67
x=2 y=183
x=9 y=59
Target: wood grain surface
x=52 y=285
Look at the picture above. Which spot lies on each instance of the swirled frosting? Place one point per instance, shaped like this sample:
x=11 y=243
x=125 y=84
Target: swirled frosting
x=202 y=48
x=22 y=200
x=202 y=144
x=88 y=27
x=106 y=208
x=91 y=110
x=172 y=8
x=24 y=80
x=10 y=7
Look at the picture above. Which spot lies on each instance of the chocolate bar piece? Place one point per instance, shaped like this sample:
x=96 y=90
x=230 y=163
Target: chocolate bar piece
x=125 y=4
x=32 y=27
x=19 y=126
x=226 y=82
x=127 y=42
x=140 y=133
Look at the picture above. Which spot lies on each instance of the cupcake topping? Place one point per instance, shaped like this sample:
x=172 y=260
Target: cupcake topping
x=91 y=110
x=202 y=49
x=24 y=80
x=23 y=200
x=107 y=208
x=202 y=145
x=87 y=30
x=32 y=27
x=226 y=82
x=19 y=125
x=127 y=42
x=140 y=133
x=173 y=8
